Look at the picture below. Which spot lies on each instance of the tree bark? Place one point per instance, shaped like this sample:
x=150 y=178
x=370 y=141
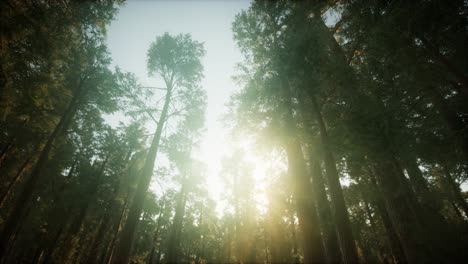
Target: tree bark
x=343 y=225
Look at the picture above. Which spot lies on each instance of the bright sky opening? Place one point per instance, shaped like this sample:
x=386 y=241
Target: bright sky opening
x=137 y=25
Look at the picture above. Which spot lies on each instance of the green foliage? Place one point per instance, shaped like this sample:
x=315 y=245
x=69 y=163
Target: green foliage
x=176 y=59
x=362 y=104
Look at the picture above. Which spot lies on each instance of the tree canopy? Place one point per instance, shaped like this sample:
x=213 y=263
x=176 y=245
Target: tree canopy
x=349 y=127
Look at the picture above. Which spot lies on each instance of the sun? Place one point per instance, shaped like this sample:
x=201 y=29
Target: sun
x=212 y=150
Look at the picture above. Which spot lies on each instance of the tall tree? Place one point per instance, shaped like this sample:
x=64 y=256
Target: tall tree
x=176 y=60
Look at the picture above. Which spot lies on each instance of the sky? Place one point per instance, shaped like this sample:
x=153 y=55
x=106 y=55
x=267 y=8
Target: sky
x=136 y=27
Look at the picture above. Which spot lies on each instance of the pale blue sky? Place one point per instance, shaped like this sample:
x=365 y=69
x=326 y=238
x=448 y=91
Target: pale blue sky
x=137 y=25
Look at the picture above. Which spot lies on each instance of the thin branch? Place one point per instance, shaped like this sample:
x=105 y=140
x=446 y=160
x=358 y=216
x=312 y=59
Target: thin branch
x=177 y=112
x=153 y=87
x=132 y=96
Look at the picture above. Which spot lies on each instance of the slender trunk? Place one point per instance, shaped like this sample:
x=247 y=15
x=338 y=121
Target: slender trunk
x=265 y=249
x=174 y=238
x=73 y=167
x=156 y=235
x=411 y=198
x=5 y=149
x=455 y=189
x=395 y=245
x=71 y=239
x=173 y=243
x=158 y=257
x=327 y=221
x=95 y=255
x=428 y=204
x=418 y=182
x=108 y=255
x=238 y=244
x=401 y=214
x=124 y=246
x=453 y=121
x=50 y=250
x=366 y=255
x=306 y=211
x=457 y=211
x=151 y=255
x=96 y=243
x=345 y=235
x=228 y=255
x=295 y=254
x=305 y=205
x=201 y=252
x=273 y=238
x=37 y=255
x=15 y=180
x=27 y=192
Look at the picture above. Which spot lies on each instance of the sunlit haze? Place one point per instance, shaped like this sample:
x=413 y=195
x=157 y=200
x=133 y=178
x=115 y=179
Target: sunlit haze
x=233 y=131
x=137 y=25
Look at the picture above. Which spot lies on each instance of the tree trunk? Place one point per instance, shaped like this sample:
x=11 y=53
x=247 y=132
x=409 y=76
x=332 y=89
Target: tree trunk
x=53 y=245
x=402 y=216
x=174 y=238
x=395 y=245
x=15 y=180
x=158 y=256
x=5 y=149
x=399 y=205
x=345 y=235
x=124 y=246
x=419 y=183
x=96 y=243
x=156 y=234
x=295 y=253
x=71 y=239
x=305 y=205
x=109 y=251
x=27 y=192
x=306 y=211
x=327 y=221
x=455 y=189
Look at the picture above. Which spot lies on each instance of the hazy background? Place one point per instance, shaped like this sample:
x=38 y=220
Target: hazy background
x=137 y=25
